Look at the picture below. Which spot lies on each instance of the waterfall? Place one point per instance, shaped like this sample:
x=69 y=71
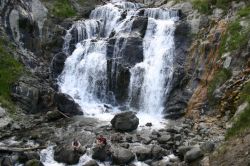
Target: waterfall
x=85 y=76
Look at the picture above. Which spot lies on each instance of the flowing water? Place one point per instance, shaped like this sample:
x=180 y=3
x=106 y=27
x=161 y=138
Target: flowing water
x=93 y=81
x=85 y=75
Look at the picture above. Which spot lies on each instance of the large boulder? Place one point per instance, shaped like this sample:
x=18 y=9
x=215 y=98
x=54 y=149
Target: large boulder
x=6 y=161
x=23 y=157
x=143 y=152
x=58 y=64
x=100 y=153
x=122 y=156
x=68 y=155
x=67 y=105
x=33 y=162
x=193 y=154
x=125 y=122
x=91 y=163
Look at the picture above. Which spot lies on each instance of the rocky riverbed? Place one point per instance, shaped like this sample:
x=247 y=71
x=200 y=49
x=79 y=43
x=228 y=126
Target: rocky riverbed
x=180 y=142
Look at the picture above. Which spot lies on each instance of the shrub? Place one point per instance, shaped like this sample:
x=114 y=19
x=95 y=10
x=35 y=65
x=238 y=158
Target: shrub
x=63 y=8
x=10 y=70
x=236 y=36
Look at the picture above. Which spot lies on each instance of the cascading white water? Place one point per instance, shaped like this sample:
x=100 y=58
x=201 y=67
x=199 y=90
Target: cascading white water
x=151 y=78
x=85 y=73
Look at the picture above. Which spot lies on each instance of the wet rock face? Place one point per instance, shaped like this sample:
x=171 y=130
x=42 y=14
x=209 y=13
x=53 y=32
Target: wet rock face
x=58 y=64
x=27 y=96
x=67 y=105
x=179 y=96
x=125 y=122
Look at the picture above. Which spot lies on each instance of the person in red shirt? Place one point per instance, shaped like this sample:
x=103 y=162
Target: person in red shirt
x=76 y=145
x=101 y=140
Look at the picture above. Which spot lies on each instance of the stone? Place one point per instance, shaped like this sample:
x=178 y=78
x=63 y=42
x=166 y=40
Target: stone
x=157 y=152
x=208 y=147
x=164 y=139
x=185 y=7
x=217 y=13
x=91 y=163
x=125 y=122
x=116 y=137
x=68 y=155
x=53 y=115
x=6 y=161
x=67 y=105
x=149 y=124
x=129 y=139
x=33 y=162
x=193 y=154
x=142 y=152
x=2 y=112
x=101 y=153
x=182 y=150
x=227 y=62
x=122 y=156
x=23 y=157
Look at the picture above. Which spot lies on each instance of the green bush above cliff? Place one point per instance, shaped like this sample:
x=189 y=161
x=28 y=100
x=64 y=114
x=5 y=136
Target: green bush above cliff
x=63 y=9
x=207 y=6
x=238 y=32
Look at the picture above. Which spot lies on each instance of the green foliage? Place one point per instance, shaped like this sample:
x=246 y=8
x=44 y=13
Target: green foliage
x=220 y=77
x=10 y=70
x=63 y=9
x=245 y=12
x=241 y=123
x=202 y=6
x=245 y=94
x=236 y=36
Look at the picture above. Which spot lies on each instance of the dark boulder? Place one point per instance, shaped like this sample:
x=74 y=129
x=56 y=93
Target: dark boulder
x=122 y=156
x=193 y=154
x=53 y=115
x=6 y=161
x=208 y=147
x=101 y=153
x=33 y=162
x=125 y=122
x=143 y=153
x=67 y=105
x=68 y=155
x=91 y=163
x=58 y=64
x=23 y=157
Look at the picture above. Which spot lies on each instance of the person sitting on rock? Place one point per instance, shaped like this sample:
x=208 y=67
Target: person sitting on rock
x=76 y=145
x=101 y=140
